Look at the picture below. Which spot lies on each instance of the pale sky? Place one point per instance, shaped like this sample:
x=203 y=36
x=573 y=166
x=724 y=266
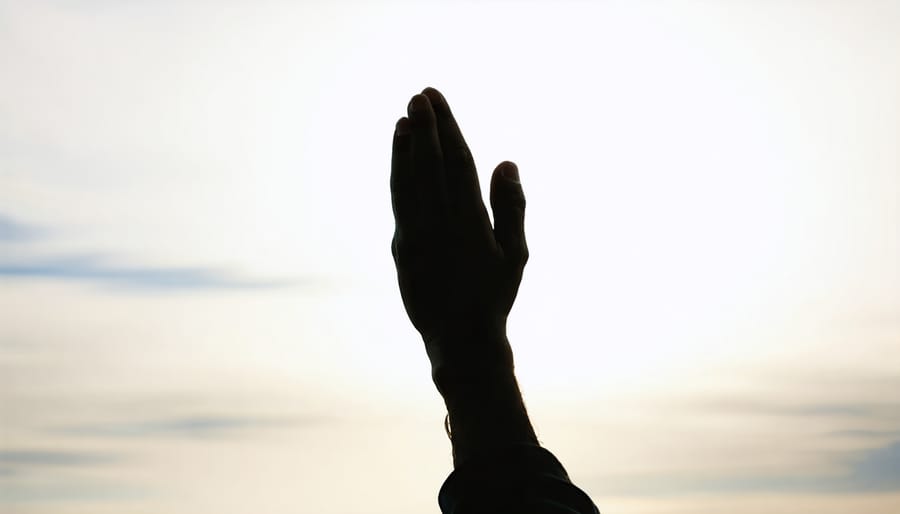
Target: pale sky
x=198 y=307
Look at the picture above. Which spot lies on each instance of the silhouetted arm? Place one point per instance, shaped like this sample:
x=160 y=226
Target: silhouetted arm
x=458 y=277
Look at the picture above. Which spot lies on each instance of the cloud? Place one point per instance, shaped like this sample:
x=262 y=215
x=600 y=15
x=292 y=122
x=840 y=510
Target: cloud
x=189 y=426
x=10 y=459
x=877 y=470
x=870 y=471
x=865 y=434
x=13 y=462
x=770 y=408
x=52 y=485
x=101 y=271
x=839 y=434
x=68 y=491
x=12 y=230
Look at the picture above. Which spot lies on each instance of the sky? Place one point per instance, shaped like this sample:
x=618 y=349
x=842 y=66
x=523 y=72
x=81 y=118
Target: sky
x=199 y=310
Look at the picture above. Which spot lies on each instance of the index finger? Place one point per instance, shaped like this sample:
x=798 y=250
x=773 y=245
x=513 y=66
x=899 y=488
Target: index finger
x=404 y=195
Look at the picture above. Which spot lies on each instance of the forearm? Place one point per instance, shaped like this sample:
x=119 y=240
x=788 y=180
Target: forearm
x=484 y=403
x=499 y=465
x=489 y=418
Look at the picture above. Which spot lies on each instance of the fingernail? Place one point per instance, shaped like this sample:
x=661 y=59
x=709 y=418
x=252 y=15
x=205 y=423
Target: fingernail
x=510 y=172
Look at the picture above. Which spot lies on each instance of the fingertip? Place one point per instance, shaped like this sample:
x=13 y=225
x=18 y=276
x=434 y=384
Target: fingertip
x=419 y=104
x=402 y=127
x=434 y=96
x=509 y=171
x=506 y=189
x=508 y=204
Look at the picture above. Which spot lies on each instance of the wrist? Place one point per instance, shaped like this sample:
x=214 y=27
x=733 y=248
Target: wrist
x=485 y=416
x=458 y=373
x=474 y=372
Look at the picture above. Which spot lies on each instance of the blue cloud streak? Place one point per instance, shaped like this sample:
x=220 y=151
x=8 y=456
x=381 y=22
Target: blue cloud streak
x=872 y=471
x=133 y=277
x=189 y=426
x=51 y=458
x=15 y=231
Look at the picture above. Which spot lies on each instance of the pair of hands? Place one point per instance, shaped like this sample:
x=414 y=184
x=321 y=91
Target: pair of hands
x=458 y=275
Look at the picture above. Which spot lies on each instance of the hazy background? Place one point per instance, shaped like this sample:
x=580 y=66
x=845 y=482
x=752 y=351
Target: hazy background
x=198 y=310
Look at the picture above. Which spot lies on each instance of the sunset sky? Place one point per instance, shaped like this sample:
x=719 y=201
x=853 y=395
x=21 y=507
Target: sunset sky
x=199 y=310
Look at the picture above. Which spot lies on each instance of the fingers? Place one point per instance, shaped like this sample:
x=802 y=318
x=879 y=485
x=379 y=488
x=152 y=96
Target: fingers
x=508 y=205
x=404 y=193
x=461 y=177
x=460 y=165
x=427 y=160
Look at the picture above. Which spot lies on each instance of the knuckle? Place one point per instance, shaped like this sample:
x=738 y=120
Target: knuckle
x=399 y=244
x=517 y=256
x=518 y=202
x=461 y=153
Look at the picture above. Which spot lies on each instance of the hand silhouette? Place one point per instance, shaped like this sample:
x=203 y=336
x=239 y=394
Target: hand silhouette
x=458 y=275
x=458 y=278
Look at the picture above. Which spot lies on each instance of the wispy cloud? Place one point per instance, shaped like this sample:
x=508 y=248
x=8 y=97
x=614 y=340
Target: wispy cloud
x=877 y=470
x=873 y=470
x=206 y=426
x=866 y=434
x=745 y=406
x=12 y=230
x=102 y=271
x=51 y=458
x=13 y=462
x=59 y=477
x=81 y=491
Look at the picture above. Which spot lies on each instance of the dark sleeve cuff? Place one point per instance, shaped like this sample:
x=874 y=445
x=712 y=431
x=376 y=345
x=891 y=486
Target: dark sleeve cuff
x=517 y=478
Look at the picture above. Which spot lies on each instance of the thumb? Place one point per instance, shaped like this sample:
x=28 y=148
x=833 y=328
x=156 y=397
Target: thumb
x=508 y=205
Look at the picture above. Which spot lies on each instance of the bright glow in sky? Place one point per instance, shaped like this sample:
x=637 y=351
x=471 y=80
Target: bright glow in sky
x=198 y=308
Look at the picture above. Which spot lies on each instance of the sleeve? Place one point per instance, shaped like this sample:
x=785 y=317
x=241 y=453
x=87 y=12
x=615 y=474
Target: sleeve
x=521 y=478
